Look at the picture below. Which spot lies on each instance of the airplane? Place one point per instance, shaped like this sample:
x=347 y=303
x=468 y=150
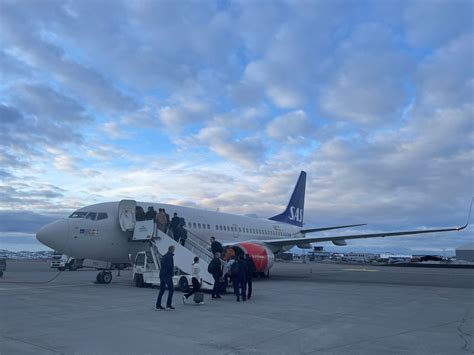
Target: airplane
x=111 y=232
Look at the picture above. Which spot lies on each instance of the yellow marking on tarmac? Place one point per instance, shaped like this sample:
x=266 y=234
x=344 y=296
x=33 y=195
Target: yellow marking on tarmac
x=363 y=270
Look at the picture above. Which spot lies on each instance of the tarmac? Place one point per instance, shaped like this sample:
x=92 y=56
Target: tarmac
x=310 y=308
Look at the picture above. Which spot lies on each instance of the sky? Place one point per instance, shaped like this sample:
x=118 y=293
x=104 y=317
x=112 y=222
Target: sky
x=220 y=104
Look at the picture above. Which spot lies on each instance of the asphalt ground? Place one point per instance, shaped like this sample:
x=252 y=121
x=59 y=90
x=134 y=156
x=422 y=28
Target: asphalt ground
x=301 y=309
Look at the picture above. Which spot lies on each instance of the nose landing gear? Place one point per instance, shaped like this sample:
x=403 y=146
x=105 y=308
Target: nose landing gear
x=104 y=277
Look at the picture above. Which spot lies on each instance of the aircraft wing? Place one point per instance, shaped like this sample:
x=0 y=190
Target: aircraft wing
x=294 y=241
x=340 y=239
x=311 y=230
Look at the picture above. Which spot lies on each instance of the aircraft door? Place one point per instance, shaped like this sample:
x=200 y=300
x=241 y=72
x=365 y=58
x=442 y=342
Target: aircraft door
x=126 y=214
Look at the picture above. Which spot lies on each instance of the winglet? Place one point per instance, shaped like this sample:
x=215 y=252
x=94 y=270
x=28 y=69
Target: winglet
x=468 y=216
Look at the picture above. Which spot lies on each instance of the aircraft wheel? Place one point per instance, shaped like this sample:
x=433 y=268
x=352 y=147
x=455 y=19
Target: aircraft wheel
x=139 y=280
x=107 y=277
x=1 y=273
x=61 y=268
x=100 y=278
x=184 y=284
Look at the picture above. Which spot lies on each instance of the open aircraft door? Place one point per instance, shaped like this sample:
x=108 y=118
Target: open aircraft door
x=126 y=214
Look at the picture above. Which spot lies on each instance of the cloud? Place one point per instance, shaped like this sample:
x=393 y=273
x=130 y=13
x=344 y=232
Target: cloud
x=247 y=151
x=442 y=22
x=24 y=221
x=25 y=35
x=114 y=131
x=368 y=87
x=291 y=126
x=185 y=112
x=446 y=78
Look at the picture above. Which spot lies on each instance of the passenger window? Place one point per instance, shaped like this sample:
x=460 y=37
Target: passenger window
x=199 y=225
x=91 y=216
x=194 y=224
x=101 y=216
x=208 y=226
x=240 y=230
x=217 y=227
x=189 y=224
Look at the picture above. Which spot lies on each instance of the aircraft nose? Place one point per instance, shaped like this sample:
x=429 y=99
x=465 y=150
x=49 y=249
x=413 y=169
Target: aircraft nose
x=54 y=235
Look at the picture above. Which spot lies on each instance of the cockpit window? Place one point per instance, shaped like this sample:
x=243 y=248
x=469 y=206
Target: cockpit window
x=78 y=215
x=102 y=215
x=91 y=215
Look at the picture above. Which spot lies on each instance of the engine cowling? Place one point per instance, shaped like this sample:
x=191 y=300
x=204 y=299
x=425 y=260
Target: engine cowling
x=262 y=256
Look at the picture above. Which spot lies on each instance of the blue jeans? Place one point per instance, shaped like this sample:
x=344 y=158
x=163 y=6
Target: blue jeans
x=165 y=281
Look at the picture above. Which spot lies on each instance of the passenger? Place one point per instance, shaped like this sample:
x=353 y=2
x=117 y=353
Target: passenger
x=229 y=253
x=139 y=213
x=174 y=224
x=215 y=269
x=166 y=279
x=161 y=220
x=251 y=269
x=240 y=277
x=196 y=280
x=231 y=273
x=183 y=233
x=150 y=213
x=216 y=247
x=167 y=220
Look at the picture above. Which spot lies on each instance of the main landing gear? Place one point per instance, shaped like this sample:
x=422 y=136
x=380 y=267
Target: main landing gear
x=104 y=277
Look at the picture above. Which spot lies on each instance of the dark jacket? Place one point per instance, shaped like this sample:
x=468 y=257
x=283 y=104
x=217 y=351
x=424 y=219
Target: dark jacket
x=167 y=265
x=139 y=213
x=174 y=223
x=180 y=233
x=251 y=268
x=243 y=270
x=216 y=247
x=150 y=214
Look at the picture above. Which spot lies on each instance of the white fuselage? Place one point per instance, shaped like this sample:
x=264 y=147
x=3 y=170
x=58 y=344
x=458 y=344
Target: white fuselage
x=103 y=239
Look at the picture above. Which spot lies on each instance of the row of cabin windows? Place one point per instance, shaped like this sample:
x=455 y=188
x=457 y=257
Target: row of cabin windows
x=235 y=229
x=94 y=216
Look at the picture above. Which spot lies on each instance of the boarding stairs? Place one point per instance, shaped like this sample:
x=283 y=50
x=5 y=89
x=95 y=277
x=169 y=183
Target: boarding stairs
x=183 y=255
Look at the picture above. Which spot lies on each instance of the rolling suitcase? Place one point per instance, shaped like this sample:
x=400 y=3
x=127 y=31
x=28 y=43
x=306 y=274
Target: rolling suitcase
x=198 y=297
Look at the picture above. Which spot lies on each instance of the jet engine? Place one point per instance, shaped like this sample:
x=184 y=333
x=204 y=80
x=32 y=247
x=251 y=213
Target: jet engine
x=262 y=256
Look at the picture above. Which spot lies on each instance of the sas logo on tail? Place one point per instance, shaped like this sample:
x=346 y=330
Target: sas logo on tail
x=296 y=214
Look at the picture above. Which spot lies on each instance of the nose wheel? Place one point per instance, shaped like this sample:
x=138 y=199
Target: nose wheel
x=104 y=277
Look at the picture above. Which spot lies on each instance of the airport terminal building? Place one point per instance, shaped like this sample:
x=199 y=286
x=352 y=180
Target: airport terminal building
x=465 y=252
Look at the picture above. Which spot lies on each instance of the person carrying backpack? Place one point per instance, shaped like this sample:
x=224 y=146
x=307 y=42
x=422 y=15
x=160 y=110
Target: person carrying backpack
x=215 y=269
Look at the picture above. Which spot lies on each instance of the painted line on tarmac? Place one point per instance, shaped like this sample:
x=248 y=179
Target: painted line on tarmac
x=362 y=270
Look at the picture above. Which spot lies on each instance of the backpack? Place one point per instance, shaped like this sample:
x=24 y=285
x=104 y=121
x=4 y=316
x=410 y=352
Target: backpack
x=214 y=267
x=234 y=268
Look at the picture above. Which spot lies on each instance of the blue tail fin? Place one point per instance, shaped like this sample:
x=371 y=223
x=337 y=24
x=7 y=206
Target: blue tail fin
x=295 y=209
